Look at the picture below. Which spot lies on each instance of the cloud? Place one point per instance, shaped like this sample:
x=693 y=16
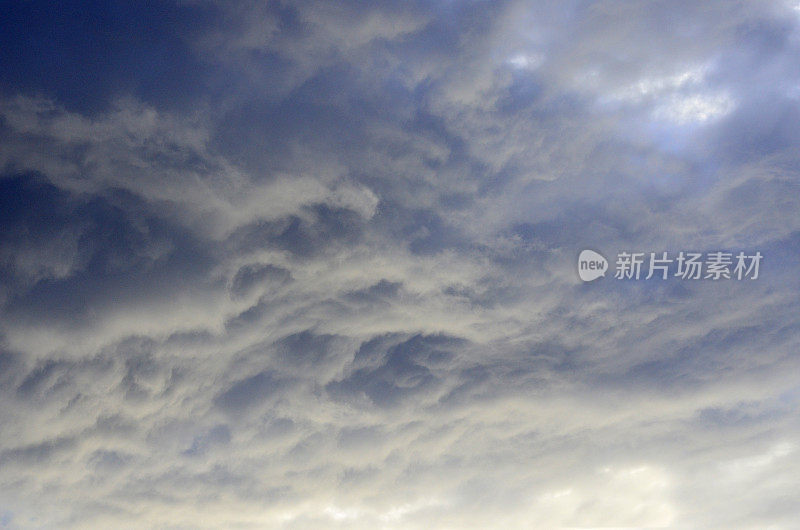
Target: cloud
x=299 y=265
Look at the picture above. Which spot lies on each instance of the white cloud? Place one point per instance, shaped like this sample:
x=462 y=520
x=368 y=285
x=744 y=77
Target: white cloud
x=526 y=61
x=694 y=108
x=367 y=315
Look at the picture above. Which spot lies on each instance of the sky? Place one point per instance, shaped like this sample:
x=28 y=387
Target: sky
x=313 y=265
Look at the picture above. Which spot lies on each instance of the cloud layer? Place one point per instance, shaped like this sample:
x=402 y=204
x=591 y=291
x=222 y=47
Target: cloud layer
x=312 y=265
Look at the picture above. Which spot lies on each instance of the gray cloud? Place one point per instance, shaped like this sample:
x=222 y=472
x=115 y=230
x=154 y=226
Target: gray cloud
x=331 y=283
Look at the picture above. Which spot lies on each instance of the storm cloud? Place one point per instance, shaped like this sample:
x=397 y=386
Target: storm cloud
x=313 y=264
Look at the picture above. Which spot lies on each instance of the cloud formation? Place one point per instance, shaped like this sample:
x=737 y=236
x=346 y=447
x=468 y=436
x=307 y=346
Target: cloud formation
x=312 y=265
